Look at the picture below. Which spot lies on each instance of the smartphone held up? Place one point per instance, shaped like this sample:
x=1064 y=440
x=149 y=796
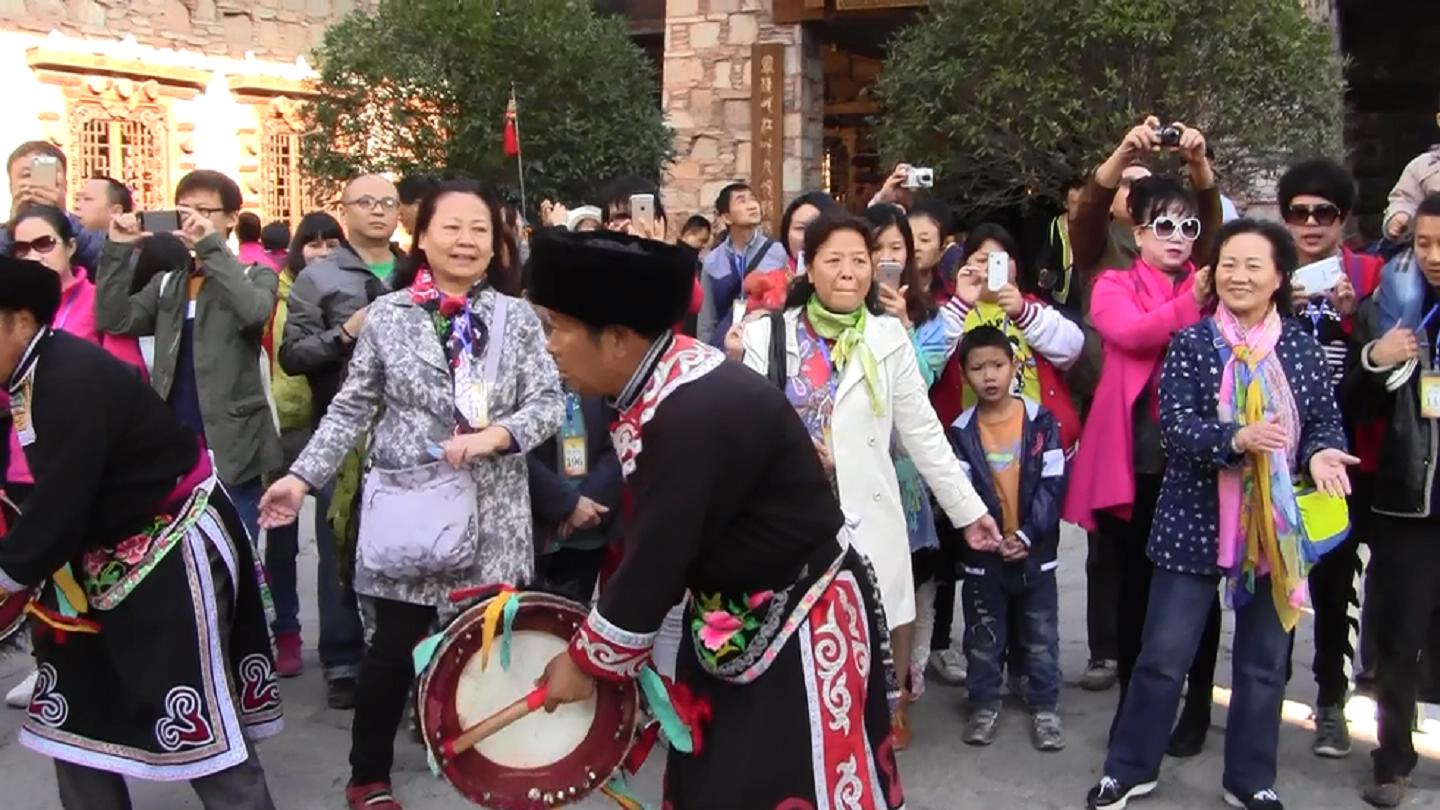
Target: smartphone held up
x=997 y=270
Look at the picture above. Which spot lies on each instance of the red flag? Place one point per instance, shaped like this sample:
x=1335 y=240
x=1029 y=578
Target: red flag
x=512 y=132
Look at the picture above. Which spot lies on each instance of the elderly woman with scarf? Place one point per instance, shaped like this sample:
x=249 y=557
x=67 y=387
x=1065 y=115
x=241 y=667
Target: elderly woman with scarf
x=1246 y=413
x=852 y=375
x=455 y=371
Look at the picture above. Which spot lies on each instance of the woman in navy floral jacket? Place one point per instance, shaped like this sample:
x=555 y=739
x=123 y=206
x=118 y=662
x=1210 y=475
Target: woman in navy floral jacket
x=1245 y=407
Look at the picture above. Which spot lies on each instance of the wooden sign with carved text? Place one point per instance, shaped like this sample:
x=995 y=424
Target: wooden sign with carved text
x=767 y=122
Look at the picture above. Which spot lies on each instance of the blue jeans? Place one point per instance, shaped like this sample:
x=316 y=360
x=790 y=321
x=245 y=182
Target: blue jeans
x=246 y=498
x=1174 y=621
x=342 y=640
x=996 y=603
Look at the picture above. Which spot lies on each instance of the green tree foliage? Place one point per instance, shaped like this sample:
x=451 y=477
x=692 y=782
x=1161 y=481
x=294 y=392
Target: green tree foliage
x=1009 y=98
x=422 y=85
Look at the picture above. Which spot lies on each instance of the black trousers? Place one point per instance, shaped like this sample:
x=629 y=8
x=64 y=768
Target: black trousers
x=1406 y=571
x=1102 y=598
x=571 y=572
x=1332 y=595
x=385 y=677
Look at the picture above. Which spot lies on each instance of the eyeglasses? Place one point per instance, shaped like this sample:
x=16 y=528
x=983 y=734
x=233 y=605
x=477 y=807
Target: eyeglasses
x=1166 y=227
x=1323 y=214
x=370 y=203
x=206 y=211
x=41 y=245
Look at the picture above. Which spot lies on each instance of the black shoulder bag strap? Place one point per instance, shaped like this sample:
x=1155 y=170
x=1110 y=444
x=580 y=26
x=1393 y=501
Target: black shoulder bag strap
x=759 y=256
x=777 y=369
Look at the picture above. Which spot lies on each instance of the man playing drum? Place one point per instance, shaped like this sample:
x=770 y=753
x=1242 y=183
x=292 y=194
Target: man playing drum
x=150 y=633
x=785 y=640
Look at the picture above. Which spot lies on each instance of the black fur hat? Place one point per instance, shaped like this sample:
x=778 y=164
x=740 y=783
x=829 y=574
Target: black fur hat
x=27 y=285
x=606 y=278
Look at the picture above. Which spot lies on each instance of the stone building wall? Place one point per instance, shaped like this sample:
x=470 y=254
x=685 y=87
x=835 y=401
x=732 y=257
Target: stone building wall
x=706 y=95
x=275 y=29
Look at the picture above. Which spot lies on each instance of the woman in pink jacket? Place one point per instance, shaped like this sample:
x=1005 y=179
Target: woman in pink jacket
x=1115 y=479
x=44 y=234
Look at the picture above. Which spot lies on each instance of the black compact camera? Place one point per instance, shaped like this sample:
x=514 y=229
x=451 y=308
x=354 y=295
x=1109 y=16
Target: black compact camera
x=1169 y=136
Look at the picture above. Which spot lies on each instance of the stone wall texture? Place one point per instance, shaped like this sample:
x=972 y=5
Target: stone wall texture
x=706 y=92
x=274 y=29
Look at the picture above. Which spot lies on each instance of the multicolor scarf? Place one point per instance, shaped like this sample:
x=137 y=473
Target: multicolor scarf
x=847 y=334
x=1260 y=526
x=463 y=335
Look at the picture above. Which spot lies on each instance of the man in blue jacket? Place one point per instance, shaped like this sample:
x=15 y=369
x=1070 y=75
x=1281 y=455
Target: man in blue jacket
x=28 y=185
x=744 y=250
x=1011 y=447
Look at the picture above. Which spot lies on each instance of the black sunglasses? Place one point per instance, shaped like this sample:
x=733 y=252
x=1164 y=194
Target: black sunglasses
x=41 y=244
x=1323 y=214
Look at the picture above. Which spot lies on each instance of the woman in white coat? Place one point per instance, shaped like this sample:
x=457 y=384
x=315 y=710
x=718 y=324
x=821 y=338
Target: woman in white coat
x=852 y=376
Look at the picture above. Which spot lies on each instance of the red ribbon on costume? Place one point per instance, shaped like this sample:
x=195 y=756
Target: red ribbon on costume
x=54 y=624
x=694 y=711
x=640 y=749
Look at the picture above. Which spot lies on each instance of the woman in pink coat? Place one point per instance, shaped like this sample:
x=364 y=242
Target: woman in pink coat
x=1115 y=479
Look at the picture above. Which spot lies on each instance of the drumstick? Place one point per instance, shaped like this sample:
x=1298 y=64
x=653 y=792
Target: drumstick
x=495 y=723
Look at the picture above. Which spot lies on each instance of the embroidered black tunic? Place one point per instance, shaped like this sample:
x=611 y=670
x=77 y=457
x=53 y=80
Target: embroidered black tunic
x=126 y=511
x=785 y=636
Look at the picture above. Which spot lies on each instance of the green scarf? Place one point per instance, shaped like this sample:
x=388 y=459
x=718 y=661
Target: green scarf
x=847 y=332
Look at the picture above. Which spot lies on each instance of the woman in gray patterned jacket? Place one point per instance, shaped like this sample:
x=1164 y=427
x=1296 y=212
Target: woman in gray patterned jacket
x=457 y=372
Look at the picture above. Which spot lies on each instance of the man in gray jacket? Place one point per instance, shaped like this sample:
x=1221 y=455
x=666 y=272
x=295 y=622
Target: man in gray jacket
x=327 y=304
x=207 y=316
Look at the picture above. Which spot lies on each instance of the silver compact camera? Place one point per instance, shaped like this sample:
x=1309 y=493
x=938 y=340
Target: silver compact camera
x=919 y=177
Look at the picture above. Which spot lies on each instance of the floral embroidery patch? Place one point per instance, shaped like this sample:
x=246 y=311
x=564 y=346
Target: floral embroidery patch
x=724 y=627
x=112 y=573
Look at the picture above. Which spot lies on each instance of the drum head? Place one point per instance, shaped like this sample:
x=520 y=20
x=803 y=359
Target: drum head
x=542 y=760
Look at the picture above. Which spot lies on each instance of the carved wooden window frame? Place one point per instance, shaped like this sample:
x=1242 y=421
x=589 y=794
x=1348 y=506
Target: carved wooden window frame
x=120 y=127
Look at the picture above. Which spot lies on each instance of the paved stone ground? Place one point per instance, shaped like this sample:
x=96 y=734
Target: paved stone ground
x=307 y=763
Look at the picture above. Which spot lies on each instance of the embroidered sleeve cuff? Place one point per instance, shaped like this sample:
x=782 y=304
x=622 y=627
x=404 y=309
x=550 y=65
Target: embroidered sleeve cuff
x=608 y=652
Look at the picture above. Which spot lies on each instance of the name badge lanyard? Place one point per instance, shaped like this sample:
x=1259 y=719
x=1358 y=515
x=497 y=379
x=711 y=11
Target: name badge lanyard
x=573 y=461
x=1430 y=379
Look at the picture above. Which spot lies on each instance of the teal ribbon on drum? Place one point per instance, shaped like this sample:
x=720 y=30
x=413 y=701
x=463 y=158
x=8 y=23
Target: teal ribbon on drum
x=657 y=696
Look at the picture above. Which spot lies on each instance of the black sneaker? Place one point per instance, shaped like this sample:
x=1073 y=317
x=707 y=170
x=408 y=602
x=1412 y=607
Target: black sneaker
x=1265 y=799
x=1332 y=734
x=1386 y=794
x=1112 y=794
x=340 y=693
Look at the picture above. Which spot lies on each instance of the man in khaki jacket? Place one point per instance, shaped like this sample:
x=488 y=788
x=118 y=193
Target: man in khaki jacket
x=1420 y=179
x=208 y=317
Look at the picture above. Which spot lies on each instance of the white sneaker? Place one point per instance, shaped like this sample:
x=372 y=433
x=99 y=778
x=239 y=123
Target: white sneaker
x=19 y=697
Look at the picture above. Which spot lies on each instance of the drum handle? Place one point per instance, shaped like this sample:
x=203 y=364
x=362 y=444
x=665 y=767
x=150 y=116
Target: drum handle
x=495 y=723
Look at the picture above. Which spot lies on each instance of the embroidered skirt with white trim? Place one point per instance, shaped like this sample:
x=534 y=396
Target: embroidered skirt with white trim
x=181 y=670
x=812 y=731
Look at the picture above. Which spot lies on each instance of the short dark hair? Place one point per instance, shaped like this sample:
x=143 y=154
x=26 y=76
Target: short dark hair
x=1321 y=177
x=722 y=200
x=412 y=188
x=1282 y=252
x=981 y=337
x=821 y=201
x=211 y=180
x=695 y=223
x=937 y=212
x=35 y=148
x=987 y=231
x=313 y=226
x=275 y=236
x=1154 y=195
x=617 y=191
x=1073 y=183
x=818 y=233
x=247 y=227
x=159 y=253
x=503 y=272
x=53 y=216
x=117 y=193
x=1429 y=207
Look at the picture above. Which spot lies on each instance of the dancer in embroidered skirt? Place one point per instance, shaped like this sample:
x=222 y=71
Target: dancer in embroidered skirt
x=149 y=619
x=784 y=672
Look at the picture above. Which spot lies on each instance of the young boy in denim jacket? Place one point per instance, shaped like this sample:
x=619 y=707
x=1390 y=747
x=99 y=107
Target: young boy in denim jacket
x=1011 y=447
